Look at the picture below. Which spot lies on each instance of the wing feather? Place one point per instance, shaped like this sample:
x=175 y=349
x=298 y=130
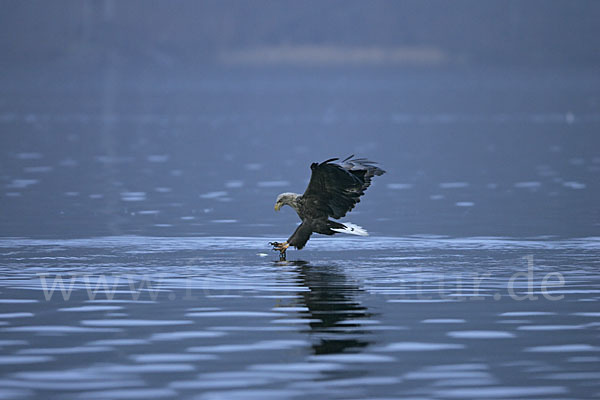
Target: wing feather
x=334 y=189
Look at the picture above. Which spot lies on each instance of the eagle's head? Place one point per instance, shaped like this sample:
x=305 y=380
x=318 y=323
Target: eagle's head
x=287 y=199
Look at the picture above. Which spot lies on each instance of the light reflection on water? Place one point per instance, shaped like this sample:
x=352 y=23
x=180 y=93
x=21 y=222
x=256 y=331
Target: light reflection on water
x=426 y=317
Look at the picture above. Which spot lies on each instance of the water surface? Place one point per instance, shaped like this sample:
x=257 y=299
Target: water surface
x=137 y=204
x=170 y=317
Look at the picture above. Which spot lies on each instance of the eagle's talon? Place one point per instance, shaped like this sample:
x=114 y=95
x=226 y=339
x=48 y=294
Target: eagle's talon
x=282 y=247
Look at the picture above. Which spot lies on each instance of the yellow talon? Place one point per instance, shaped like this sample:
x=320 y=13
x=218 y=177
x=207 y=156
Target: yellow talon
x=282 y=247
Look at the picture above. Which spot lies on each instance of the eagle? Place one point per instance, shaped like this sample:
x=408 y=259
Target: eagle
x=333 y=190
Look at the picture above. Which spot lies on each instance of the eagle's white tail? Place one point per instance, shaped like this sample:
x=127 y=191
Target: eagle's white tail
x=351 y=229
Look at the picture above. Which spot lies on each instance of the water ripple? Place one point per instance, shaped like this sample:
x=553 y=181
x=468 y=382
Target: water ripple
x=162 y=244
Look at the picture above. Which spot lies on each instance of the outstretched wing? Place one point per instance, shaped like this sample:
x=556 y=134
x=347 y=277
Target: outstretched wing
x=334 y=189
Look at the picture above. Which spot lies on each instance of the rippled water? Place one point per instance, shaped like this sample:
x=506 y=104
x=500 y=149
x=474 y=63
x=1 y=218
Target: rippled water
x=416 y=317
x=137 y=206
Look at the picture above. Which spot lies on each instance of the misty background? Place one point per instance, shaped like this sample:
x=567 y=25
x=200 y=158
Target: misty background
x=175 y=33
x=188 y=118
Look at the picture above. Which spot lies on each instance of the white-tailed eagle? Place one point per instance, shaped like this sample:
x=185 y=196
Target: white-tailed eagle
x=333 y=190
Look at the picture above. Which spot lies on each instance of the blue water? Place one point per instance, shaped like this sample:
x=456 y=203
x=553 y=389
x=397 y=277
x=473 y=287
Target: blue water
x=137 y=208
x=186 y=317
x=205 y=153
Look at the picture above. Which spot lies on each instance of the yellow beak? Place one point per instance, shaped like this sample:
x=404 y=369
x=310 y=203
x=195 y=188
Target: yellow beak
x=277 y=206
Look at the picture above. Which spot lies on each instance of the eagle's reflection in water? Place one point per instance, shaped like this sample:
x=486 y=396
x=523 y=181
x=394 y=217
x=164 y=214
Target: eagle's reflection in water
x=333 y=309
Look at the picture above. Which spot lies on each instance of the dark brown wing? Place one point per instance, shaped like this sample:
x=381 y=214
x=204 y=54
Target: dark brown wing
x=334 y=189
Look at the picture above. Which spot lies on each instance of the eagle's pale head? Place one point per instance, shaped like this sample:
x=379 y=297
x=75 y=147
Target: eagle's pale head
x=287 y=199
